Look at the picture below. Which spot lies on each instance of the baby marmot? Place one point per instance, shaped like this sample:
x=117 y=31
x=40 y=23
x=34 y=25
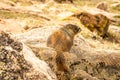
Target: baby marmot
x=62 y=41
x=98 y=22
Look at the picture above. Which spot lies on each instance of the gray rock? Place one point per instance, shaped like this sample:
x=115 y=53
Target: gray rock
x=18 y=62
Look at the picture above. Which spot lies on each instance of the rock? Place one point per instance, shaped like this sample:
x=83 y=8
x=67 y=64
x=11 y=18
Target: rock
x=39 y=65
x=97 y=11
x=86 y=55
x=85 y=65
x=38 y=35
x=100 y=66
x=82 y=75
x=37 y=38
x=18 y=62
x=95 y=23
x=5 y=25
x=114 y=33
x=102 y=6
x=116 y=6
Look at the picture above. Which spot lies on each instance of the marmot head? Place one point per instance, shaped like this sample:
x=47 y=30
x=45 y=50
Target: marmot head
x=72 y=27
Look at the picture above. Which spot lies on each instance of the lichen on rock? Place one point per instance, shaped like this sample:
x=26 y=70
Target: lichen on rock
x=15 y=63
x=14 y=66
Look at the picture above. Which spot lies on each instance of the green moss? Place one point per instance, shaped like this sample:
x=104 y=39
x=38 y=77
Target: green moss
x=26 y=3
x=117 y=16
x=31 y=19
x=15 y=1
x=72 y=9
x=116 y=8
x=8 y=14
x=118 y=25
x=66 y=18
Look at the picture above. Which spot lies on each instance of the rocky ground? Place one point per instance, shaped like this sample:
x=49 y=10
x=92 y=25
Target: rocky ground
x=27 y=25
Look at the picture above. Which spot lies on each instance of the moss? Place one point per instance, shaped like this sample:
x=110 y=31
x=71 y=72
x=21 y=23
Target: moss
x=117 y=16
x=72 y=9
x=118 y=24
x=23 y=2
x=9 y=14
x=116 y=8
x=31 y=20
x=15 y=1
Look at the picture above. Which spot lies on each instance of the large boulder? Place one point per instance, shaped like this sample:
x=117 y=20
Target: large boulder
x=87 y=55
x=18 y=62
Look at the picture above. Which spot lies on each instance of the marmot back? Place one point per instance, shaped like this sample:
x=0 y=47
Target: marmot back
x=62 y=41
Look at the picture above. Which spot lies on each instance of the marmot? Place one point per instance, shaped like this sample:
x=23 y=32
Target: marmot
x=98 y=22
x=62 y=41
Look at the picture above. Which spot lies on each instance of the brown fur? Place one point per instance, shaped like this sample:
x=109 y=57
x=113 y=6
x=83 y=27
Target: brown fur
x=62 y=41
x=98 y=22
